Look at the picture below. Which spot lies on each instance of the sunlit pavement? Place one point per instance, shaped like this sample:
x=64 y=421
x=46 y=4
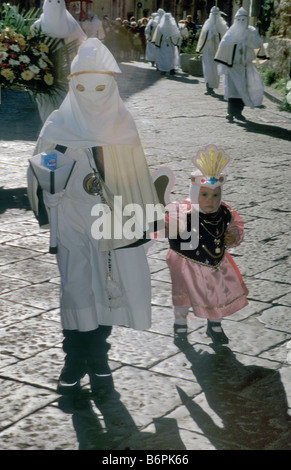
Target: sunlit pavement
x=237 y=397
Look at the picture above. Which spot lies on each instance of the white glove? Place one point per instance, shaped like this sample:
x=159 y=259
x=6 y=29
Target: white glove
x=52 y=200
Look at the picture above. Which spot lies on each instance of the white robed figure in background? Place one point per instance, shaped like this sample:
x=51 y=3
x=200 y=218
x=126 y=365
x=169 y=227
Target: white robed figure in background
x=243 y=85
x=56 y=22
x=167 y=39
x=101 y=285
x=159 y=17
x=93 y=28
x=210 y=36
x=151 y=52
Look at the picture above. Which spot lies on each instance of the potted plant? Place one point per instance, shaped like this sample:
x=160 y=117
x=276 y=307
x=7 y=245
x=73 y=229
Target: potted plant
x=190 y=60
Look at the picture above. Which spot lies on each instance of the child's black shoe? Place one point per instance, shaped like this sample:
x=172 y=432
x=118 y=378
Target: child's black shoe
x=180 y=336
x=218 y=337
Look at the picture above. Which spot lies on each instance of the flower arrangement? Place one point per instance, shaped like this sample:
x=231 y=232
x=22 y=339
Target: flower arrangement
x=27 y=62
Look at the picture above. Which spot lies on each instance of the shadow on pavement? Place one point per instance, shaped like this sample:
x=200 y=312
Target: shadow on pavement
x=266 y=129
x=115 y=428
x=241 y=408
x=243 y=398
x=183 y=78
x=135 y=79
x=19 y=116
x=15 y=198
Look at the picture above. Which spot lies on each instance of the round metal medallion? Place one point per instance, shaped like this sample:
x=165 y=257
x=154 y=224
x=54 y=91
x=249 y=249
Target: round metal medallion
x=91 y=184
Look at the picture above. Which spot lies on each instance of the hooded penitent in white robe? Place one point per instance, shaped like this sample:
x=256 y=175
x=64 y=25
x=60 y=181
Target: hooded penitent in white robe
x=95 y=129
x=167 y=39
x=235 y=56
x=56 y=22
x=151 y=52
x=210 y=36
x=93 y=28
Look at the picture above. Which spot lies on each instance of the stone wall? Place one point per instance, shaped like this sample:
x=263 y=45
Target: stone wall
x=280 y=56
x=280 y=40
x=282 y=18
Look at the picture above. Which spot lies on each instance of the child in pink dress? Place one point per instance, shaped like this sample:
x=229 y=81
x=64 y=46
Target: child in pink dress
x=204 y=275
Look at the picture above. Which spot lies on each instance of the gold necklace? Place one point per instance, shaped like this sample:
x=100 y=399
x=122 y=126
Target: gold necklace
x=217 y=235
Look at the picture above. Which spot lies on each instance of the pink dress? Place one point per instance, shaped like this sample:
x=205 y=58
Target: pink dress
x=213 y=290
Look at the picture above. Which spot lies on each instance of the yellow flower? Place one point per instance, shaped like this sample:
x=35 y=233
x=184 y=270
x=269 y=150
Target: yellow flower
x=8 y=74
x=20 y=39
x=27 y=75
x=43 y=47
x=49 y=79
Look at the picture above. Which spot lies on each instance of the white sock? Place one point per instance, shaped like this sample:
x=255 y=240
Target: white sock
x=181 y=314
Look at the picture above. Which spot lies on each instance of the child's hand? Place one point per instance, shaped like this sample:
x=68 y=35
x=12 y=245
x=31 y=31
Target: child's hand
x=229 y=238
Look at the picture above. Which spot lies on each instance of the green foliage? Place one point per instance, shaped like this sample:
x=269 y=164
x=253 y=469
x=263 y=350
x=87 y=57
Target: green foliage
x=286 y=105
x=11 y=17
x=268 y=76
x=266 y=18
x=190 y=44
x=281 y=85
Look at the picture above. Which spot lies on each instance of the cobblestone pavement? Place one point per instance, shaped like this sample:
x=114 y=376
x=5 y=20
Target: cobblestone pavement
x=235 y=398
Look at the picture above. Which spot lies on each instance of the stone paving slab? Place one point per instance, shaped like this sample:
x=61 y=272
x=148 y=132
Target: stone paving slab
x=40 y=271
x=39 y=295
x=12 y=312
x=27 y=338
x=37 y=243
x=281 y=354
x=233 y=420
x=266 y=291
x=235 y=398
x=278 y=318
x=21 y=400
x=45 y=429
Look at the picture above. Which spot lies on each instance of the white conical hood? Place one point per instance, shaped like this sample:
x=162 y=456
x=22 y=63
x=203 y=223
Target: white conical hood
x=168 y=26
x=92 y=114
x=57 y=22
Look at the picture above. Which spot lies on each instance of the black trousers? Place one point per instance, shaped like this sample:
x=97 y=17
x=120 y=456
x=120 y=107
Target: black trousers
x=88 y=346
x=235 y=106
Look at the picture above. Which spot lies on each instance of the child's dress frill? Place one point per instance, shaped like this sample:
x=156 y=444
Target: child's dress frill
x=212 y=291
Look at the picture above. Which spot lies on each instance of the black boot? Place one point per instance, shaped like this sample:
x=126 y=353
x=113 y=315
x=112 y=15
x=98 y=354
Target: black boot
x=101 y=380
x=209 y=90
x=75 y=366
x=235 y=107
x=230 y=110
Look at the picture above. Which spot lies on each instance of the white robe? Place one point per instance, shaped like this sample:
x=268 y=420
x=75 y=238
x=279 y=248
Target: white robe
x=57 y=22
x=242 y=80
x=85 y=302
x=167 y=52
x=168 y=56
x=151 y=51
x=208 y=43
x=167 y=38
x=93 y=115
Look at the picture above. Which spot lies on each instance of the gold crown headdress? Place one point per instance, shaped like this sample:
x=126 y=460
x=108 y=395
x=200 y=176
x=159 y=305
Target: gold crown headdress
x=210 y=161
